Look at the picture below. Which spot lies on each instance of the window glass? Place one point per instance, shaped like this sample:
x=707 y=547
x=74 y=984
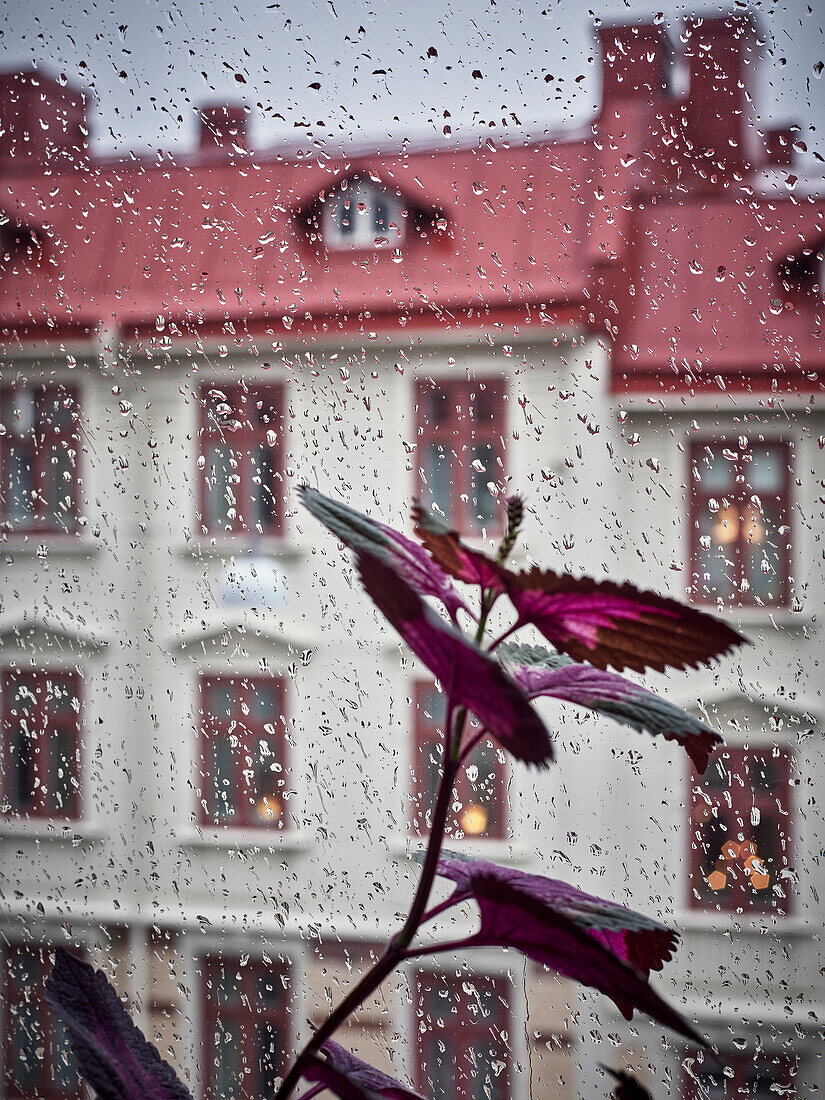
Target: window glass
x=39 y=447
x=460 y=451
x=740 y=531
x=41 y=743
x=243 y=751
x=741 y=832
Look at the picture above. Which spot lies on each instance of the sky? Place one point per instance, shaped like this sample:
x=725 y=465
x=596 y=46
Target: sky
x=333 y=72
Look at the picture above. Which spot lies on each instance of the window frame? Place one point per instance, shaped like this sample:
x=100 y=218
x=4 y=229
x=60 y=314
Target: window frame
x=48 y=1023
x=462 y=1027
x=698 y=508
x=362 y=240
x=739 y=898
x=41 y=443
x=245 y=442
x=423 y=734
x=459 y=434
x=247 y=733
x=40 y=811
x=248 y=1011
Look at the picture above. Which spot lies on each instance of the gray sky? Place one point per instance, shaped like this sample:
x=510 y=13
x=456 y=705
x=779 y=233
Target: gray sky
x=150 y=62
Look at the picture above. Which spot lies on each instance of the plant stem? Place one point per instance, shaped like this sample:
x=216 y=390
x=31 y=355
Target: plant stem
x=397 y=947
x=454 y=724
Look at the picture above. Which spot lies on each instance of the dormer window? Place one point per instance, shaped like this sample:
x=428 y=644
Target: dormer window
x=359 y=214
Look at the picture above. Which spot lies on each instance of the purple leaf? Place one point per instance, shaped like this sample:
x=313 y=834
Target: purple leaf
x=588 y=939
x=406 y=557
x=605 y=623
x=366 y=1076
x=470 y=677
x=324 y=1072
x=112 y=1053
x=454 y=556
x=539 y=672
x=628 y=1088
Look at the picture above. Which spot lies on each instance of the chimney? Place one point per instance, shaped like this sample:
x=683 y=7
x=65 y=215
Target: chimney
x=635 y=67
x=42 y=123
x=722 y=55
x=223 y=126
x=635 y=62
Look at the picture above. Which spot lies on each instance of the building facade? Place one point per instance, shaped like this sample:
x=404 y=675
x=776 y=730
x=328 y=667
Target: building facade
x=216 y=761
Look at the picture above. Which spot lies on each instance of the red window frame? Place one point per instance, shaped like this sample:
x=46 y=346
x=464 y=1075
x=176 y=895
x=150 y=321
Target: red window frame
x=244 y=422
x=246 y=1013
x=36 y=718
x=463 y=1025
x=482 y=801
x=730 y=540
x=242 y=751
x=42 y=425
x=741 y=831
x=457 y=420
x=28 y=1021
x=748 y=1077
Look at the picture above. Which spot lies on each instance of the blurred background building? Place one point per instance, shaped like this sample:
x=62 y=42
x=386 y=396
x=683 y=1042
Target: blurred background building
x=215 y=760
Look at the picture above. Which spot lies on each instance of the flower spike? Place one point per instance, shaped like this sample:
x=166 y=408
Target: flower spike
x=454 y=556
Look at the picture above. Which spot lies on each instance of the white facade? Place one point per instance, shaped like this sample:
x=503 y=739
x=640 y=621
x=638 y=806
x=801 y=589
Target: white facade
x=142 y=603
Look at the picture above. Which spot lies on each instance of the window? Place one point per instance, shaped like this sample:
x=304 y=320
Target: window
x=39 y=450
x=740 y=533
x=246 y=1038
x=39 y=1059
x=241 y=459
x=41 y=743
x=479 y=805
x=243 y=751
x=746 y=1078
x=460 y=451
x=741 y=842
x=360 y=215
x=463 y=1039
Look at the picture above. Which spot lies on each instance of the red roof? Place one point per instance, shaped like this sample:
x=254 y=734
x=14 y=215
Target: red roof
x=642 y=229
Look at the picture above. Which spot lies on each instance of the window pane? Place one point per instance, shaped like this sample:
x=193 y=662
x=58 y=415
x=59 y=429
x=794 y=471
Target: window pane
x=23 y=764
x=20 y=485
x=60 y=787
x=761 y=551
x=221 y=700
x=717 y=474
x=265 y=703
x=226 y=1065
x=222 y=776
x=437 y=474
x=60 y=696
x=483 y=470
x=57 y=490
x=56 y=412
x=767 y=470
x=64 y=1062
x=270 y=1053
x=220 y=484
x=267 y=794
x=480 y=813
x=265 y=488
x=27 y=1045
x=484 y=1069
